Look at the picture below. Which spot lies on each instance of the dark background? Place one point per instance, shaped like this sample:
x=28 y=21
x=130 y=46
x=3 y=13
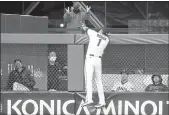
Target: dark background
x=112 y=14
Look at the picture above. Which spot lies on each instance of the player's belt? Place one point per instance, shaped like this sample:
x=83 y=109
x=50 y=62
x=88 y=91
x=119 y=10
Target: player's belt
x=95 y=56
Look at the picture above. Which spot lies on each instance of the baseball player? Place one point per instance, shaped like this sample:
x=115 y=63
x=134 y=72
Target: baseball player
x=98 y=41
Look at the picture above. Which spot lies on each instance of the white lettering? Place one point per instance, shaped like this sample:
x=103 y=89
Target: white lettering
x=14 y=107
x=167 y=102
x=34 y=104
x=80 y=109
x=110 y=106
x=134 y=109
x=120 y=107
x=65 y=107
x=1 y=108
x=160 y=107
x=146 y=103
x=58 y=107
x=49 y=108
x=98 y=112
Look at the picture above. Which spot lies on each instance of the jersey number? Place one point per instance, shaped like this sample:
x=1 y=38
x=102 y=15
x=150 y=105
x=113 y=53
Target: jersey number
x=99 y=42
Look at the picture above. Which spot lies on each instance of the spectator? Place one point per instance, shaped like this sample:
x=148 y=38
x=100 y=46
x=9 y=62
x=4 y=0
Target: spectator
x=124 y=85
x=157 y=85
x=75 y=16
x=55 y=70
x=20 y=76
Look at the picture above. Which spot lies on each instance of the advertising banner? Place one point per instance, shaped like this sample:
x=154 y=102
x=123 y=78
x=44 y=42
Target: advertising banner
x=66 y=103
x=37 y=103
x=126 y=104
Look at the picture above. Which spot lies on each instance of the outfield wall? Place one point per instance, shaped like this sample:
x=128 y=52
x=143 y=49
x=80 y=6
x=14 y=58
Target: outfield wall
x=64 y=103
x=125 y=51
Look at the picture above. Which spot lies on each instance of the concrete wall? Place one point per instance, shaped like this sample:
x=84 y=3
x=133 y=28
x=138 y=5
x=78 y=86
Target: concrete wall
x=15 y=23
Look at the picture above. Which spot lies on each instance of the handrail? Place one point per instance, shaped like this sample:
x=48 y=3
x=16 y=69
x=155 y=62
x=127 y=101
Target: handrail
x=110 y=29
x=31 y=8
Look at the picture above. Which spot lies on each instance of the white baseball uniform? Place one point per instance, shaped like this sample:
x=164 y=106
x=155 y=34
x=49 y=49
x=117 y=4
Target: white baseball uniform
x=119 y=87
x=97 y=43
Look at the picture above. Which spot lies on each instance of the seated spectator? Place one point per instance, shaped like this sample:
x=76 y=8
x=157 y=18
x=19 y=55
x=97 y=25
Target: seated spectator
x=54 y=71
x=157 y=85
x=20 y=79
x=74 y=16
x=124 y=85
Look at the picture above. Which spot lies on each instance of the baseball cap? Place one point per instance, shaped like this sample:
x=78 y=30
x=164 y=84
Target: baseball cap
x=105 y=31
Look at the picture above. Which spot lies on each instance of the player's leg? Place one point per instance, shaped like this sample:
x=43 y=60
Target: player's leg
x=98 y=80
x=88 y=75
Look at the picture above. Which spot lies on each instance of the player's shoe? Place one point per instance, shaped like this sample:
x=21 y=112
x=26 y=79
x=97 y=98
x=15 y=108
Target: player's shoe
x=86 y=103
x=100 y=105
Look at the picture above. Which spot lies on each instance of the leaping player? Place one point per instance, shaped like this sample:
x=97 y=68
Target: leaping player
x=98 y=41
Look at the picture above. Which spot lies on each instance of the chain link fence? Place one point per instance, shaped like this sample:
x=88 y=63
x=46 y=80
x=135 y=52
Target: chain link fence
x=139 y=62
x=35 y=57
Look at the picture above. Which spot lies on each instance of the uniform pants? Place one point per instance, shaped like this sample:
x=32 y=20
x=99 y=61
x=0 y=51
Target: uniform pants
x=93 y=67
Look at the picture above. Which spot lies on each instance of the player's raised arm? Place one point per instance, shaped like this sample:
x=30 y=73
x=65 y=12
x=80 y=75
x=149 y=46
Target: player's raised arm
x=87 y=29
x=83 y=27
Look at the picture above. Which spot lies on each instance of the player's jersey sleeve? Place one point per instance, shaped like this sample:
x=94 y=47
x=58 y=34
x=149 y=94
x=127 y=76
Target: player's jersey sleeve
x=91 y=32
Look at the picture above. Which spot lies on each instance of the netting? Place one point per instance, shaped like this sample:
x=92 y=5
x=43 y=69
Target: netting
x=35 y=57
x=139 y=61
